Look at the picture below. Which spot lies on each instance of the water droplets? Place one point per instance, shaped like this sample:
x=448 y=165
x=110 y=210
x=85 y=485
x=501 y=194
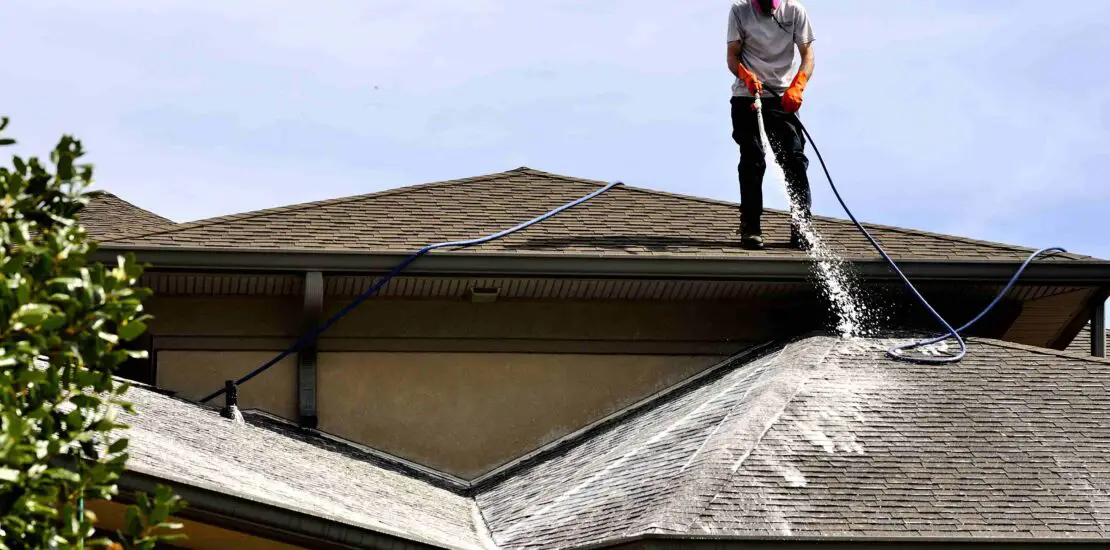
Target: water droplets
x=837 y=281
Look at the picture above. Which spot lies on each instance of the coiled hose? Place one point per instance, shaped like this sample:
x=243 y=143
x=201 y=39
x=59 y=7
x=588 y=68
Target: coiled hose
x=897 y=352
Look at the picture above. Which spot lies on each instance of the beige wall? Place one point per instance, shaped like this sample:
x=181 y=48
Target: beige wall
x=554 y=320
x=450 y=384
x=196 y=374
x=279 y=318
x=225 y=315
x=468 y=413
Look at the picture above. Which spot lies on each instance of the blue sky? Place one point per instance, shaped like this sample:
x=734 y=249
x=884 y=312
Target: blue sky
x=987 y=119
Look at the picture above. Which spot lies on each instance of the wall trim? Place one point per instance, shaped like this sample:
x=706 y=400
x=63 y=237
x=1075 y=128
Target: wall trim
x=458 y=345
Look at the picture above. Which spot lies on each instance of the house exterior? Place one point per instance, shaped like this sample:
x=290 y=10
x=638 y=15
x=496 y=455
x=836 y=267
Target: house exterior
x=622 y=374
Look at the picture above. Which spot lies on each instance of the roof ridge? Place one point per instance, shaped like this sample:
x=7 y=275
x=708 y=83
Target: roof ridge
x=139 y=234
x=105 y=194
x=720 y=202
x=1063 y=354
x=314 y=204
x=665 y=395
x=419 y=471
x=770 y=383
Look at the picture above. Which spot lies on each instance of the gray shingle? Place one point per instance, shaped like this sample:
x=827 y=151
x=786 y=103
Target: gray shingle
x=818 y=438
x=183 y=442
x=1011 y=442
x=829 y=439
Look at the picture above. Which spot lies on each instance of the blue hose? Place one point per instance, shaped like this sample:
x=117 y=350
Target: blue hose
x=897 y=351
x=397 y=271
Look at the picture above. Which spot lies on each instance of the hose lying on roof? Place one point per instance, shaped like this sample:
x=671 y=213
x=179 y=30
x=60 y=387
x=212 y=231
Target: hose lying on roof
x=897 y=352
x=312 y=335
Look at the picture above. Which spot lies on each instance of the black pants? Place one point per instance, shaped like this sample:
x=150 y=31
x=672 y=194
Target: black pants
x=788 y=143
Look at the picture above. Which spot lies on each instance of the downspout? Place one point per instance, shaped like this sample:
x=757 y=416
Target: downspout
x=1098 y=330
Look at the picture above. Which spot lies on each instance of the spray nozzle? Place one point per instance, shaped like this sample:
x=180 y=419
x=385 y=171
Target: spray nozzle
x=231 y=405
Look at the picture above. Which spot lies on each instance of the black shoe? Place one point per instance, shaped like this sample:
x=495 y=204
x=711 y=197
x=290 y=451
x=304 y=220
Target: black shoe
x=752 y=241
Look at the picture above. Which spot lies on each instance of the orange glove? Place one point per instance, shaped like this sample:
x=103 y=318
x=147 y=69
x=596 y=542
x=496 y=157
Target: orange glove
x=792 y=99
x=750 y=80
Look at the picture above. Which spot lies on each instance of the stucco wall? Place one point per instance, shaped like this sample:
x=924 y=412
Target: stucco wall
x=225 y=315
x=469 y=413
x=196 y=374
x=450 y=384
x=556 y=320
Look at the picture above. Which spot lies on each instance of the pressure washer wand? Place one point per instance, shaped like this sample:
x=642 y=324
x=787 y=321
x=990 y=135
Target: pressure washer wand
x=758 y=106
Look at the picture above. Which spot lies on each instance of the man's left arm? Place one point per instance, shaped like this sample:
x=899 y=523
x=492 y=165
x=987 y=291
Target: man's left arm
x=806 y=51
x=803 y=37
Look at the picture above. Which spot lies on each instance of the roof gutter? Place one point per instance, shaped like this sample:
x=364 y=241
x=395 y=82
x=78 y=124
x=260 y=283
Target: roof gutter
x=718 y=542
x=1059 y=272
x=266 y=521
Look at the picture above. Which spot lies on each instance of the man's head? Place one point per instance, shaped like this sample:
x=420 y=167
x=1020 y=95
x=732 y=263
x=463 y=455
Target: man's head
x=767 y=7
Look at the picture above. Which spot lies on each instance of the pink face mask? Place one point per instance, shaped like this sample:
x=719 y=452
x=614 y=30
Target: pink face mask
x=774 y=4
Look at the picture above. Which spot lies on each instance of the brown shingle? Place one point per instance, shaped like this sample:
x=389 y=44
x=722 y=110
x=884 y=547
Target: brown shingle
x=625 y=221
x=107 y=215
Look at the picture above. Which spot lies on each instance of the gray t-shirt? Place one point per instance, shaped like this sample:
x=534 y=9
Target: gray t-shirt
x=767 y=44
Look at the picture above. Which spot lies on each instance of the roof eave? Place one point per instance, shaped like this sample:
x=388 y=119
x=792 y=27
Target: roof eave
x=661 y=541
x=1075 y=272
x=264 y=520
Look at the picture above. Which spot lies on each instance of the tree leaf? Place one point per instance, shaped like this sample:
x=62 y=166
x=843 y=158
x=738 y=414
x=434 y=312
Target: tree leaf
x=118 y=446
x=132 y=330
x=32 y=315
x=62 y=474
x=133 y=524
x=56 y=301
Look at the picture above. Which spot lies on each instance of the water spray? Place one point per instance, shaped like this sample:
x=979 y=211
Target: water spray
x=899 y=352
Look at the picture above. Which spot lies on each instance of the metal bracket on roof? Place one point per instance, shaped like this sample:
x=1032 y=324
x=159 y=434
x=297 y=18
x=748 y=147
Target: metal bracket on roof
x=307 y=355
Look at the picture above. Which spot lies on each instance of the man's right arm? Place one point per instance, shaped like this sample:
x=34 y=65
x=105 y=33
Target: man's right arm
x=735 y=41
x=733 y=57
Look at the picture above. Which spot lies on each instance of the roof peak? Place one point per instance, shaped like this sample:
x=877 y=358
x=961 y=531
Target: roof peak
x=631 y=219
x=327 y=202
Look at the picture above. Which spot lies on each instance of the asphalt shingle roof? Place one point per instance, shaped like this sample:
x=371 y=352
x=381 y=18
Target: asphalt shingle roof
x=625 y=221
x=183 y=442
x=827 y=438
x=1082 y=342
x=107 y=215
x=819 y=438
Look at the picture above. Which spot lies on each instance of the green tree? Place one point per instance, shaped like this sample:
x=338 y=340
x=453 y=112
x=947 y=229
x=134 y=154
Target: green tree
x=64 y=324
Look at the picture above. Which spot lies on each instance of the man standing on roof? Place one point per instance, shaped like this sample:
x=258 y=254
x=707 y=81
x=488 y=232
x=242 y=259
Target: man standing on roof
x=762 y=35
